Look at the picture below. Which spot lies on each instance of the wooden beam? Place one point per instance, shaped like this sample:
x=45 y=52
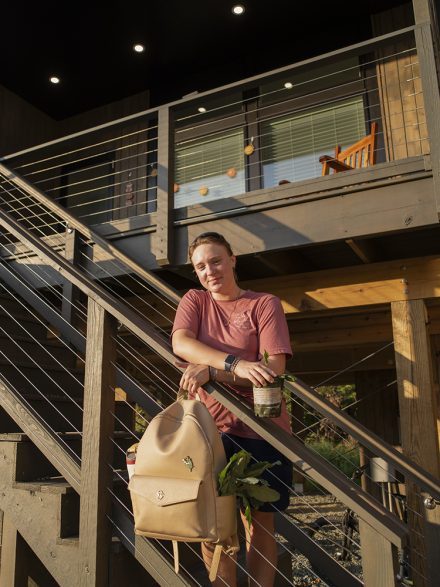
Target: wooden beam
x=163 y=244
x=418 y=425
x=364 y=285
x=97 y=448
x=363 y=249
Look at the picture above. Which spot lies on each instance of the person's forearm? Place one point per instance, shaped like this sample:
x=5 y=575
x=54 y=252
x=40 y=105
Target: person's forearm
x=194 y=351
x=231 y=379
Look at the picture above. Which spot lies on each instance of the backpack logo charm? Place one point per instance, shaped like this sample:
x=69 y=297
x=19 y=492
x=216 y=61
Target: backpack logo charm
x=188 y=462
x=160 y=494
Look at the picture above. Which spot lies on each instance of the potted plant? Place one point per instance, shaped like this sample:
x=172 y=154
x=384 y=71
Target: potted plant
x=241 y=477
x=268 y=398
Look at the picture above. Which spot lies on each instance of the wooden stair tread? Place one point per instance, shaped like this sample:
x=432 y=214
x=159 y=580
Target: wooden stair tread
x=66 y=436
x=56 y=485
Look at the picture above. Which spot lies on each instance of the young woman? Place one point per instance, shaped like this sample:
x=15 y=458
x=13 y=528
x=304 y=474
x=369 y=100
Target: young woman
x=221 y=332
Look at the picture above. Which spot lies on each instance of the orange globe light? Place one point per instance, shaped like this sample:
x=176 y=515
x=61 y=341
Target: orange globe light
x=232 y=172
x=203 y=190
x=249 y=149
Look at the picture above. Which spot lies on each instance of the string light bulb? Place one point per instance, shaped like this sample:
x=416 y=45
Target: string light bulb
x=238 y=9
x=138 y=48
x=202 y=110
x=54 y=79
x=288 y=85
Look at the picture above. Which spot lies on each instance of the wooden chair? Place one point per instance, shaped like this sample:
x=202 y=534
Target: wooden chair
x=361 y=154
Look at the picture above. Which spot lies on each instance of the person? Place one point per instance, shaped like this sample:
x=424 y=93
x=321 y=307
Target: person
x=222 y=332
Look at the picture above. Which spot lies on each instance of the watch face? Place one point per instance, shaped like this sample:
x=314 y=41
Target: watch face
x=228 y=362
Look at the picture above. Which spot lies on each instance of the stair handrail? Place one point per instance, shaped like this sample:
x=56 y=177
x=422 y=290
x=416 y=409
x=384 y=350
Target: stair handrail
x=73 y=222
x=375 y=514
x=299 y=388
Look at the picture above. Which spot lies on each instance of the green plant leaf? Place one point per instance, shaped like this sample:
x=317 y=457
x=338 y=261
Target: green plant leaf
x=263 y=493
x=249 y=480
x=258 y=469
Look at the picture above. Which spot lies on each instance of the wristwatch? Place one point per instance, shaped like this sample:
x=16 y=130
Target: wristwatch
x=229 y=362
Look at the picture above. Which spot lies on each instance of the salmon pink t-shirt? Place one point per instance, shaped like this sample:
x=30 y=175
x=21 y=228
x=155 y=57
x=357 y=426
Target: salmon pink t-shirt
x=245 y=328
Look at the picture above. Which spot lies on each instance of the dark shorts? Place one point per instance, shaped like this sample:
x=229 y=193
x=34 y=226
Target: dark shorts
x=278 y=477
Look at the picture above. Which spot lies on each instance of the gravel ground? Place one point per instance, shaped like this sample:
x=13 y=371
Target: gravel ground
x=309 y=512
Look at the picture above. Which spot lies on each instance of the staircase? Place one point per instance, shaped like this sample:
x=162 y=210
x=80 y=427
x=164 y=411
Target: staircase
x=64 y=436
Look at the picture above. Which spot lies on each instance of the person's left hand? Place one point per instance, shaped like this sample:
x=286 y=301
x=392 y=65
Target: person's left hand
x=193 y=377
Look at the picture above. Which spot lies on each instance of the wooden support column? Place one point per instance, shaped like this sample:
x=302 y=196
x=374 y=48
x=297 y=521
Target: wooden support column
x=71 y=293
x=163 y=244
x=418 y=425
x=97 y=448
x=379 y=558
x=427 y=44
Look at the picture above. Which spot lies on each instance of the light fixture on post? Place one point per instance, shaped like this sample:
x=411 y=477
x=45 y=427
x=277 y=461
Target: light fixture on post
x=54 y=79
x=238 y=9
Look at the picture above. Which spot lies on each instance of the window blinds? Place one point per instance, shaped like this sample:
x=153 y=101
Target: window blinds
x=292 y=145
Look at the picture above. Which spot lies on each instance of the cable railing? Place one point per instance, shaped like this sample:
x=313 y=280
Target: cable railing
x=146 y=317
x=129 y=350
x=226 y=143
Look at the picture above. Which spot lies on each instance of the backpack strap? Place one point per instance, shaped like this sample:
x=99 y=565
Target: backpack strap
x=231 y=547
x=176 y=556
x=215 y=562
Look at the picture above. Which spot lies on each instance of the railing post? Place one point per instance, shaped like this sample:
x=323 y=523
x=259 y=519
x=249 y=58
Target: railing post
x=97 y=448
x=429 y=74
x=419 y=432
x=253 y=166
x=379 y=558
x=163 y=243
x=71 y=293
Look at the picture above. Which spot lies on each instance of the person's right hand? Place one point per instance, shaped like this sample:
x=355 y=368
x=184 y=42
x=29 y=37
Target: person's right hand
x=258 y=373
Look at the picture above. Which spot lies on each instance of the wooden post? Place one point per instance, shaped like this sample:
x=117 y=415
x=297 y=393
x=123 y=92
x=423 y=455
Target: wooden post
x=71 y=293
x=418 y=425
x=379 y=558
x=253 y=167
x=97 y=448
x=165 y=192
x=13 y=565
x=427 y=39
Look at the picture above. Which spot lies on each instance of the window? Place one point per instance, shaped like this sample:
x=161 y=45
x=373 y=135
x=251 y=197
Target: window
x=292 y=145
x=209 y=168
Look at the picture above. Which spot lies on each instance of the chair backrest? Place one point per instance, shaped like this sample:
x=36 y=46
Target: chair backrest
x=361 y=154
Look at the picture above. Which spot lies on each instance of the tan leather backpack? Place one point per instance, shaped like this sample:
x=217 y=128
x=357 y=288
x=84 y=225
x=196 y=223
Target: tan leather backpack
x=174 y=486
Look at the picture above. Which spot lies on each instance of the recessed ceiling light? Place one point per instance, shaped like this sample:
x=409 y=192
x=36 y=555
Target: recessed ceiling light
x=54 y=79
x=139 y=48
x=238 y=9
x=201 y=109
x=288 y=85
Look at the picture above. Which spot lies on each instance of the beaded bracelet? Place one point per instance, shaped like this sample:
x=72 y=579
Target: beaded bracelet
x=234 y=364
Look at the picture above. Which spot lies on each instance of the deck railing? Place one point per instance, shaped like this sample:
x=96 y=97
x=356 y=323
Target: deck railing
x=136 y=357
x=210 y=152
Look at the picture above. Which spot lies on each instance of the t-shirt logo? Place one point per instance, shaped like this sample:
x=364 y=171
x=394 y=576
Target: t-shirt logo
x=241 y=320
